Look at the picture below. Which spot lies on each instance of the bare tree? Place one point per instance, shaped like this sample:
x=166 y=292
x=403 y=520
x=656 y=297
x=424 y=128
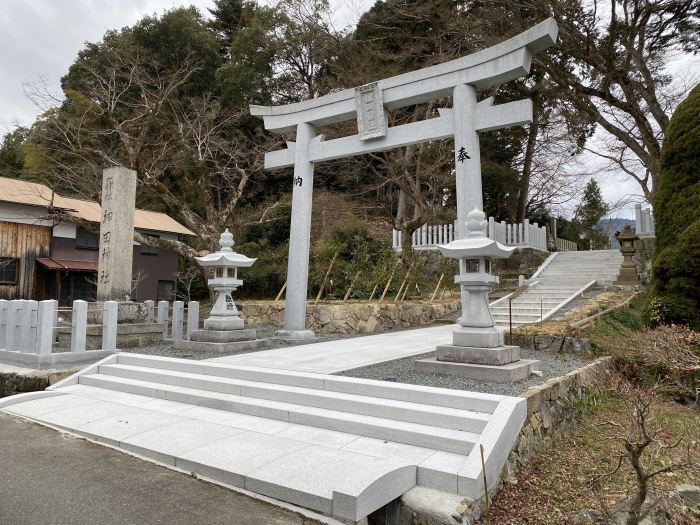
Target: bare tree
x=132 y=114
x=643 y=448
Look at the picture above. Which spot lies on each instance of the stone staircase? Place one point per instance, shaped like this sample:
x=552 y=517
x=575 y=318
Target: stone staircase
x=338 y=445
x=561 y=278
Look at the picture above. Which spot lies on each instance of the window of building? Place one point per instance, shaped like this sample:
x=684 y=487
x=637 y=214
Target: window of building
x=149 y=250
x=166 y=290
x=85 y=240
x=8 y=270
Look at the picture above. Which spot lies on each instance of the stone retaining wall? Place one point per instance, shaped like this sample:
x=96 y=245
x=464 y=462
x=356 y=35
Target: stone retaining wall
x=18 y=382
x=553 y=344
x=551 y=411
x=352 y=318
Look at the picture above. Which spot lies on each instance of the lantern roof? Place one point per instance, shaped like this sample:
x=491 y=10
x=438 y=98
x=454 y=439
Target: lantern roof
x=226 y=256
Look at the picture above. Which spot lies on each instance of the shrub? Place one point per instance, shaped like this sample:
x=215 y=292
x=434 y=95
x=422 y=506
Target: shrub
x=676 y=265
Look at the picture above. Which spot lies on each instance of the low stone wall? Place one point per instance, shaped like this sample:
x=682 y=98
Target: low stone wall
x=16 y=382
x=551 y=411
x=128 y=335
x=352 y=318
x=553 y=344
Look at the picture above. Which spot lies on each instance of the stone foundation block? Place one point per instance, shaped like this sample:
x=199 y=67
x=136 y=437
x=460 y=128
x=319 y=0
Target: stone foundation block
x=223 y=336
x=500 y=355
x=478 y=337
x=510 y=373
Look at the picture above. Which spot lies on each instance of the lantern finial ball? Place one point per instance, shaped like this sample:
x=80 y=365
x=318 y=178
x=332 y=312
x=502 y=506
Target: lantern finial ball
x=226 y=241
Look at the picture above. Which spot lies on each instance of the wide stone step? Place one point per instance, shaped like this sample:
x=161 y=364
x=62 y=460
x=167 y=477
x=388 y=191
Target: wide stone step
x=448 y=440
x=459 y=399
x=357 y=404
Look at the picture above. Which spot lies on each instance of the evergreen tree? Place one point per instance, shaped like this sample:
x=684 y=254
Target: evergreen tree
x=588 y=215
x=676 y=265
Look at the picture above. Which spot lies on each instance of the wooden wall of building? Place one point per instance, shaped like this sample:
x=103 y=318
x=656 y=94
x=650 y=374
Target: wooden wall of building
x=25 y=242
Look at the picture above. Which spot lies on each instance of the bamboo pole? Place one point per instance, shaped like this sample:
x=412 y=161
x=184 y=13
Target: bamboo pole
x=443 y=292
x=371 y=296
x=354 y=279
x=442 y=275
x=325 y=278
x=404 y=293
x=284 y=287
x=403 y=283
x=391 y=278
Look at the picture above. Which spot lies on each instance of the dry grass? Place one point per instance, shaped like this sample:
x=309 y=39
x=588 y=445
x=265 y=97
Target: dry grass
x=555 y=485
x=560 y=326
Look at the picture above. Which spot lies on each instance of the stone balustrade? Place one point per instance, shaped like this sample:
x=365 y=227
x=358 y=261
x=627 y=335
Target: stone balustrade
x=566 y=246
x=522 y=234
x=28 y=332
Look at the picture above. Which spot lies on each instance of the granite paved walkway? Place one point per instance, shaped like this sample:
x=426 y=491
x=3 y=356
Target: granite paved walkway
x=330 y=357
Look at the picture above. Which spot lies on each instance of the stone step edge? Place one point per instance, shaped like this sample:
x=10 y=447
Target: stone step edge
x=457 y=442
x=419 y=413
x=461 y=400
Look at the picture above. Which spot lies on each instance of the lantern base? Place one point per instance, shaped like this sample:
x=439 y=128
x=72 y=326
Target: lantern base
x=480 y=337
x=221 y=323
x=500 y=355
x=223 y=336
x=510 y=373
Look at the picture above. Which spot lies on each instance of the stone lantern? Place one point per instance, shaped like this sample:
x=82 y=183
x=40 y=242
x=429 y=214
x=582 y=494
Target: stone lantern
x=477 y=351
x=224 y=317
x=628 y=270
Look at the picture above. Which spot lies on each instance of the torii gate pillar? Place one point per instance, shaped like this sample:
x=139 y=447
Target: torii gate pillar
x=467 y=156
x=299 y=238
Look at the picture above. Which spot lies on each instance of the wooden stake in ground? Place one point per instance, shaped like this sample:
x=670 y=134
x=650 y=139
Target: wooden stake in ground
x=443 y=292
x=403 y=283
x=354 y=279
x=326 y=277
x=371 y=296
x=442 y=275
x=405 y=291
x=388 y=283
x=284 y=287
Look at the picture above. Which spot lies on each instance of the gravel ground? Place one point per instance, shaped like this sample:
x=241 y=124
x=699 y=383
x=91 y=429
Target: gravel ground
x=403 y=371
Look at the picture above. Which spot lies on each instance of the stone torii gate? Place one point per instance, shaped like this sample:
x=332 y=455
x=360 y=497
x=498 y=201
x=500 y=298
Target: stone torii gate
x=458 y=78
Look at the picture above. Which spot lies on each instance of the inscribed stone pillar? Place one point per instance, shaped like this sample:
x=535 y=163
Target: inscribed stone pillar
x=116 y=234
x=14 y=339
x=467 y=156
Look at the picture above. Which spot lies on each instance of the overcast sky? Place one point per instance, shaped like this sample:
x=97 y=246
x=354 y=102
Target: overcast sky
x=40 y=39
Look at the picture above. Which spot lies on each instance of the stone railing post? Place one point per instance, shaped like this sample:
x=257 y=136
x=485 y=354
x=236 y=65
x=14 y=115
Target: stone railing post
x=110 y=313
x=178 y=317
x=3 y=323
x=78 y=332
x=192 y=318
x=150 y=307
x=14 y=319
x=46 y=315
x=29 y=326
x=163 y=317
x=526 y=231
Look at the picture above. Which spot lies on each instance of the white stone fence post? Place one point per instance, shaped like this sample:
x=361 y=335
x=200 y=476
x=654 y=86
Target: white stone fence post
x=192 y=318
x=27 y=326
x=521 y=234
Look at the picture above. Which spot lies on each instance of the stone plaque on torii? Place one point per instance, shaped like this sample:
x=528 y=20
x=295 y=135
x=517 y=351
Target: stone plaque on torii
x=460 y=78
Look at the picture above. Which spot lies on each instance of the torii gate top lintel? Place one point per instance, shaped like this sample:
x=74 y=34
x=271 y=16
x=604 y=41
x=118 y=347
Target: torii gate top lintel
x=500 y=63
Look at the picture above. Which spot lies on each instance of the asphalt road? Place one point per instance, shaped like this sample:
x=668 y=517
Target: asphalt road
x=48 y=478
